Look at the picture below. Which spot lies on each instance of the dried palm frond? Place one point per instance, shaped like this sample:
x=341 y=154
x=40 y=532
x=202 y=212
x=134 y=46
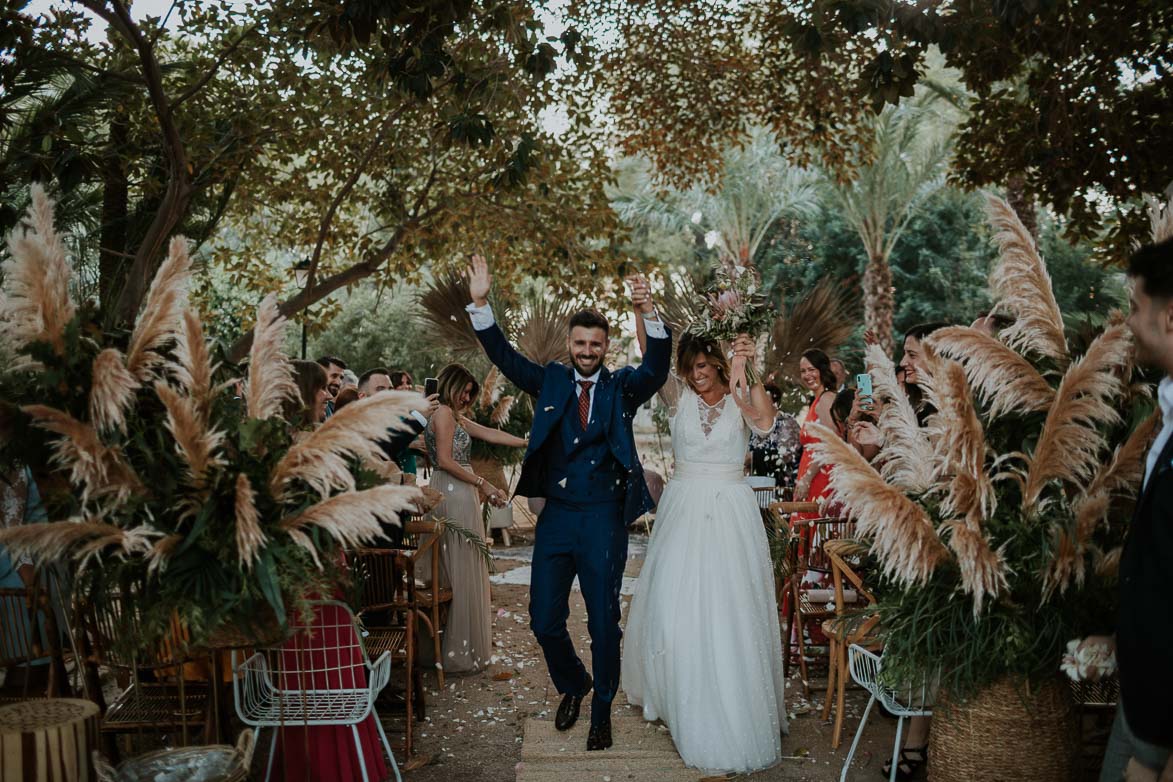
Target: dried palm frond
x=194 y=441
x=680 y=304
x=542 y=334
x=112 y=390
x=1160 y=219
x=35 y=305
x=1022 y=287
x=99 y=469
x=901 y=532
x=443 y=310
x=162 y=313
x=1069 y=446
x=353 y=518
x=320 y=458
x=270 y=375
x=193 y=368
x=502 y=410
x=490 y=388
x=249 y=535
x=983 y=570
x=908 y=454
x=1003 y=379
x=824 y=319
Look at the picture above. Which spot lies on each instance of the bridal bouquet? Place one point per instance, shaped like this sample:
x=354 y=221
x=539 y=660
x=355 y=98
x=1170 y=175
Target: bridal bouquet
x=731 y=306
x=1086 y=661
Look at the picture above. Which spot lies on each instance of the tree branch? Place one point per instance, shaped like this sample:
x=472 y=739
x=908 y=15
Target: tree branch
x=178 y=193
x=219 y=61
x=347 y=187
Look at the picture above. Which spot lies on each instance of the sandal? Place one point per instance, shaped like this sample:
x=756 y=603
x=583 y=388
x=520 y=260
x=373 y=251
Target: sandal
x=911 y=760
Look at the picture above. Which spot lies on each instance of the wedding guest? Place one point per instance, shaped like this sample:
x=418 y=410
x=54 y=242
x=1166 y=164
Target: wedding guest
x=309 y=408
x=335 y=369
x=839 y=369
x=347 y=395
x=1141 y=743
x=814 y=369
x=468 y=635
x=912 y=363
x=401 y=381
x=349 y=380
x=776 y=454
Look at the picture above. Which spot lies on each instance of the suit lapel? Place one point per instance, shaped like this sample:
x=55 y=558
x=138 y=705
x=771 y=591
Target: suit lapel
x=1160 y=467
x=550 y=405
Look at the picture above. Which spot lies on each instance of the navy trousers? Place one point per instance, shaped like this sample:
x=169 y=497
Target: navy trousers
x=589 y=541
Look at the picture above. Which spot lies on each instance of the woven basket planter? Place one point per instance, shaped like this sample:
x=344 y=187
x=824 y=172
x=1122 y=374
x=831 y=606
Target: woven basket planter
x=1005 y=734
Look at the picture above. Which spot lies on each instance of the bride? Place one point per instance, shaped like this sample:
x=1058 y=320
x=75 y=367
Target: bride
x=702 y=651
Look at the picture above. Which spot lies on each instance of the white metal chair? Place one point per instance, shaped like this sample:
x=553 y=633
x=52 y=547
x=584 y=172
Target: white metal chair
x=907 y=702
x=319 y=676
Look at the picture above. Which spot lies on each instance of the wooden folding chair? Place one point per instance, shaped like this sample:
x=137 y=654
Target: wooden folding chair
x=851 y=624
x=432 y=597
x=388 y=609
x=28 y=640
x=798 y=610
x=156 y=694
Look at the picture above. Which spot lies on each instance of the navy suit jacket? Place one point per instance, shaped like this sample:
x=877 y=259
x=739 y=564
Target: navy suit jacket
x=1144 y=622
x=617 y=397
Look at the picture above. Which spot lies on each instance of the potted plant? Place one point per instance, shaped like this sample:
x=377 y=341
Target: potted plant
x=997 y=526
x=169 y=477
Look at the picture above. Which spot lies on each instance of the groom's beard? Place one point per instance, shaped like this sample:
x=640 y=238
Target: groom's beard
x=583 y=370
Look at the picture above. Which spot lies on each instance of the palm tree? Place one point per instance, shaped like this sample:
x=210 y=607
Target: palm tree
x=902 y=167
x=757 y=187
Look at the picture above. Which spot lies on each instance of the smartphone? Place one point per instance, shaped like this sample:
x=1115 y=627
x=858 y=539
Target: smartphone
x=863 y=384
x=431 y=386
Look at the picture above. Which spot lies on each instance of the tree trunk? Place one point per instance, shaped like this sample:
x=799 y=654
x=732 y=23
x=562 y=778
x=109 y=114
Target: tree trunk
x=112 y=260
x=878 y=301
x=1024 y=204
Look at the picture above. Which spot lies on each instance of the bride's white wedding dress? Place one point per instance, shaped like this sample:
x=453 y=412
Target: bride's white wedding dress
x=702 y=650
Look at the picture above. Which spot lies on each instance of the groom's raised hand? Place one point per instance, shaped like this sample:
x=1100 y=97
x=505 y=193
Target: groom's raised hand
x=480 y=282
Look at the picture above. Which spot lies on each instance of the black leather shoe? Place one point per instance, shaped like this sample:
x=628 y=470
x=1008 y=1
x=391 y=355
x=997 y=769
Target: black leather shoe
x=600 y=736
x=571 y=704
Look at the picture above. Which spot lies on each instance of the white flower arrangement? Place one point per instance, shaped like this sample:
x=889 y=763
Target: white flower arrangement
x=1088 y=662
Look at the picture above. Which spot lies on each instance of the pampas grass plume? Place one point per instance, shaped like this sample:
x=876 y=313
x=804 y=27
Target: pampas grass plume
x=249 y=535
x=908 y=455
x=270 y=375
x=112 y=390
x=1002 y=378
x=353 y=518
x=35 y=305
x=162 y=313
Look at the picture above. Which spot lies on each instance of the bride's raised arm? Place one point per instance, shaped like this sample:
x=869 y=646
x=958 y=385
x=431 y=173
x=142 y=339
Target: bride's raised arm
x=758 y=409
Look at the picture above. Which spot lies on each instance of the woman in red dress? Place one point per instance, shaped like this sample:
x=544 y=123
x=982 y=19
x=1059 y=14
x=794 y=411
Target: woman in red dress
x=814 y=369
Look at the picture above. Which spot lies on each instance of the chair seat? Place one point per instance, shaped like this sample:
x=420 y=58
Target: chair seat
x=149 y=705
x=386 y=639
x=426 y=598
x=307 y=707
x=847 y=629
x=811 y=610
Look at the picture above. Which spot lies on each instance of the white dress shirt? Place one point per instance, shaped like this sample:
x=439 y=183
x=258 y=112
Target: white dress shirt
x=1165 y=398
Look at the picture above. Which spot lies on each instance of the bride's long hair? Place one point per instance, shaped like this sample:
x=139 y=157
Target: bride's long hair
x=690 y=348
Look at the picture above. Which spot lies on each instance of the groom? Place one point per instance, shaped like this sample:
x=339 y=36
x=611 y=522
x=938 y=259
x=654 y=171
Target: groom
x=582 y=459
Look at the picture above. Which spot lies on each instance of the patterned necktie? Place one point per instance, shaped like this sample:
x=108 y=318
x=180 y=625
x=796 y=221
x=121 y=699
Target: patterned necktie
x=584 y=402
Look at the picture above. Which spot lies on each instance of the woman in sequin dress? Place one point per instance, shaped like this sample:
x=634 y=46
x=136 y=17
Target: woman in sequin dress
x=468 y=638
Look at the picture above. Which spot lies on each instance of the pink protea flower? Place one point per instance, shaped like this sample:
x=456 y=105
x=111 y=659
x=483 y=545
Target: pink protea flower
x=725 y=304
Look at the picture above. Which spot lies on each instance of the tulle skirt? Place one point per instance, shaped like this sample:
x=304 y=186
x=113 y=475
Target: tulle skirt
x=703 y=651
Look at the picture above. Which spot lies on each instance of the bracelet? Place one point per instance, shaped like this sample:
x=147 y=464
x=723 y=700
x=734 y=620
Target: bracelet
x=480 y=481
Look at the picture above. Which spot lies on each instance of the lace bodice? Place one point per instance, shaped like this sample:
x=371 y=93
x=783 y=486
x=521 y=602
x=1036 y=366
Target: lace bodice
x=706 y=434
x=461 y=444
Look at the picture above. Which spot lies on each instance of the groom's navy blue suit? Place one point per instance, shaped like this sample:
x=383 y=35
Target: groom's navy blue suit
x=594 y=487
